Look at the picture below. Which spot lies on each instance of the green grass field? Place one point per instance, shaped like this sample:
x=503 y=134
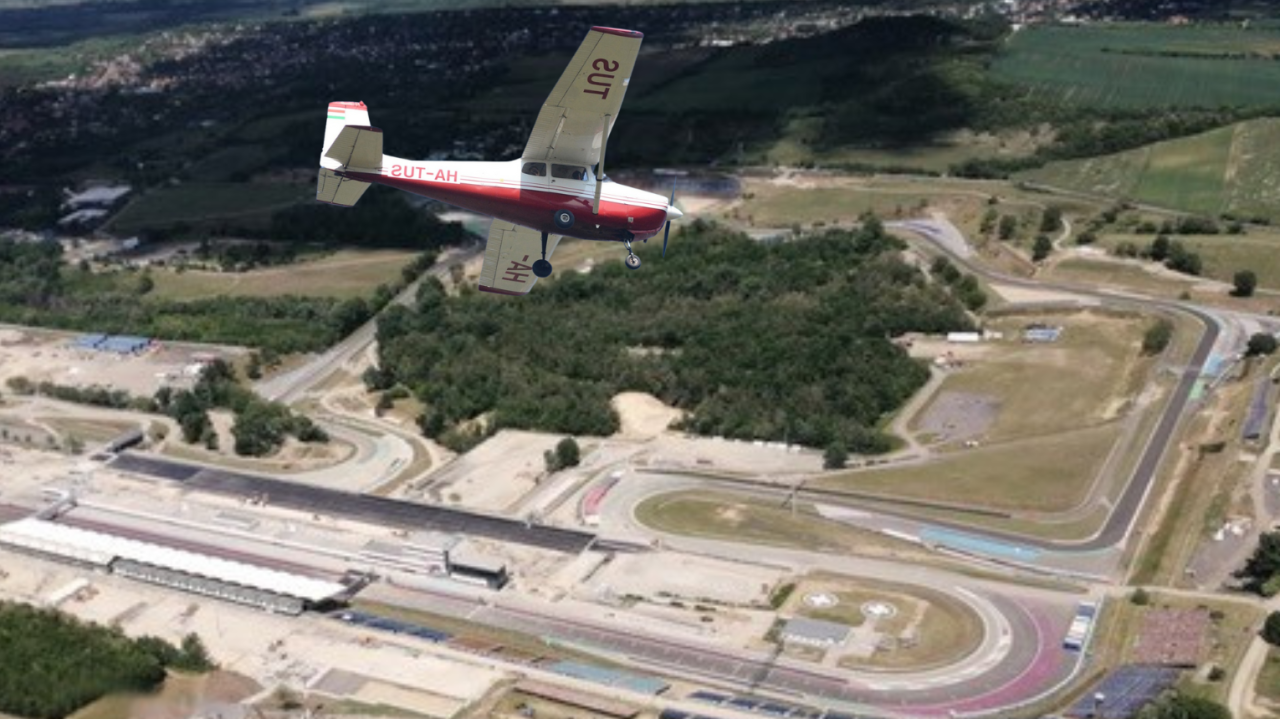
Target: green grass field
x=1049 y=474
x=348 y=273
x=237 y=203
x=1124 y=65
x=1224 y=255
x=1233 y=169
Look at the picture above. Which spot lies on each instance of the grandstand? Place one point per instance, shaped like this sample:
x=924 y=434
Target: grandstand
x=256 y=586
x=1123 y=692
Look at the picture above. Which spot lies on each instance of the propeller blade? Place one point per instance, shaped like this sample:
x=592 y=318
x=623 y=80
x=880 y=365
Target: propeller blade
x=667 y=233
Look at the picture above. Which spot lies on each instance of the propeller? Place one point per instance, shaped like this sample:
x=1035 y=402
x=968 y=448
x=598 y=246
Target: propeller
x=671 y=204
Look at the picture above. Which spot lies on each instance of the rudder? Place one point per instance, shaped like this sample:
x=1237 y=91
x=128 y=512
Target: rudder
x=339 y=115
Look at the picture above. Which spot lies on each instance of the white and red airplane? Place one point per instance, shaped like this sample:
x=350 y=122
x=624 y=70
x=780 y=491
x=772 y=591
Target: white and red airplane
x=556 y=189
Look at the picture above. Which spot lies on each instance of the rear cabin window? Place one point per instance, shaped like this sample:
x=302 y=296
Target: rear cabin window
x=569 y=172
x=537 y=169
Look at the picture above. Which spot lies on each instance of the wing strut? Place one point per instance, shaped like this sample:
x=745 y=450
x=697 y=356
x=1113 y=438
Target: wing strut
x=595 y=205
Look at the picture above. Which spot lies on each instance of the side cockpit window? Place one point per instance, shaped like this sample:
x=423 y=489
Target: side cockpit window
x=537 y=169
x=569 y=172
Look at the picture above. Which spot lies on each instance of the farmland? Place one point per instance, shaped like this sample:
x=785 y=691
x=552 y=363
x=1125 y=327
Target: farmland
x=1140 y=66
x=1229 y=170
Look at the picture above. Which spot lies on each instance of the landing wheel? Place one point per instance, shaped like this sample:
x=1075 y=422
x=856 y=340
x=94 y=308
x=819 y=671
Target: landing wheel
x=563 y=219
x=632 y=262
x=541 y=268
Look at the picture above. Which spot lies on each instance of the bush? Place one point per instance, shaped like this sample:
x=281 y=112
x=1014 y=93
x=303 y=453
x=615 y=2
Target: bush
x=835 y=456
x=1157 y=337
x=1262 y=343
x=1245 y=283
x=1042 y=248
x=1140 y=597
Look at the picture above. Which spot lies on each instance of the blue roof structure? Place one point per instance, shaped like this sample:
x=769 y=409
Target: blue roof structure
x=124 y=344
x=393 y=626
x=610 y=677
x=1124 y=691
x=88 y=342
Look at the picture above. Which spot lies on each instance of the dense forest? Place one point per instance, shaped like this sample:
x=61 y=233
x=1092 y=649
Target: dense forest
x=784 y=341
x=53 y=664
x=38 y=288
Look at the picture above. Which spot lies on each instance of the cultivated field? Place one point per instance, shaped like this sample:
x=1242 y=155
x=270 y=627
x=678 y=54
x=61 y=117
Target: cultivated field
x=1138 y=65
x=1233 y=169
x=343 y=274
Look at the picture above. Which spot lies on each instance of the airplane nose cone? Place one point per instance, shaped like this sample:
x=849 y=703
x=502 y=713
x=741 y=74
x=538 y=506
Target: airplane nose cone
x=673 y=213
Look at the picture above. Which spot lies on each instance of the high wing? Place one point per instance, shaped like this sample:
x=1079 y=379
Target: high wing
x=575 y=121
x=509 y=257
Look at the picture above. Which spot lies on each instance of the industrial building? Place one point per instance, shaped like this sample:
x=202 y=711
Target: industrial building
x=257 y=586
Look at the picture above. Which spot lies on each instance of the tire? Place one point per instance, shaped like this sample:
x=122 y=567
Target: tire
x=563 y=219
x=633 y=262
x=541 y=268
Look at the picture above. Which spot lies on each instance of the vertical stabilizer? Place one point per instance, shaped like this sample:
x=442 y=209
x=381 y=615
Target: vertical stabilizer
x=341 y=114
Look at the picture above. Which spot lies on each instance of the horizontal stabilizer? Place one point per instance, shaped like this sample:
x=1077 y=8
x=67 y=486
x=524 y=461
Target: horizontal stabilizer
x=357 y=146
x=337 y=190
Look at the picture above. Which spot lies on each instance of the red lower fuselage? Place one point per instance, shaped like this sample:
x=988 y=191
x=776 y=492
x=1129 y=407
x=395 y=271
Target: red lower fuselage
x=499 y=190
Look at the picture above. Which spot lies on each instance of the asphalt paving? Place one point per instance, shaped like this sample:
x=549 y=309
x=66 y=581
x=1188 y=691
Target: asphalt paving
x=363 y=507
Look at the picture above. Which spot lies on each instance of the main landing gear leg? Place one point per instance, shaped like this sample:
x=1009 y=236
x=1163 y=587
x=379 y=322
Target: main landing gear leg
x=632 y=262
x=542 y=268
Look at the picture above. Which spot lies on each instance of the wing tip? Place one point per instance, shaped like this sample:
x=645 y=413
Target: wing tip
x=617 y=31
x=496 y=291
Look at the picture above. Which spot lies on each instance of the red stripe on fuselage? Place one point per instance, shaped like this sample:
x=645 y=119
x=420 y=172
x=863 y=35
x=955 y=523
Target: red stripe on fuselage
x=533 y=208
x=497 y=291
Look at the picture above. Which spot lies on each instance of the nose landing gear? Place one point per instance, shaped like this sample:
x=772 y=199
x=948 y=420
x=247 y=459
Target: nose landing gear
x=632 y=262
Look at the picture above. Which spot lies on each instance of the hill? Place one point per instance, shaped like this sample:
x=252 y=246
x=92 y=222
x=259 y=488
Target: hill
x=1233 y=170
x=785 y=342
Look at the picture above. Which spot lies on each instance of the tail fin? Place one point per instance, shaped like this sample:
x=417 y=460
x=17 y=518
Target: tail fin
x=348 y=142
x=340 y=115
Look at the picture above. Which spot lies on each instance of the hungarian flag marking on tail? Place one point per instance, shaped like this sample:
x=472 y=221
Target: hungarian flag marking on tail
x=337 y=113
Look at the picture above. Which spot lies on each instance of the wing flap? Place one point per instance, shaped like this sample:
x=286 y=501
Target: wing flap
x=509 y=257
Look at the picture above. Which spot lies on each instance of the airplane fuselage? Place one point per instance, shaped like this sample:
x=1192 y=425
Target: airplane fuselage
x=501 y=190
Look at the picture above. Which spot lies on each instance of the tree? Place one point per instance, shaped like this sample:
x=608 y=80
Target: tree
x=145 y=283
x=1271 y=629
x=989 y=220
x=253 y=369
x=835 y=456
x=1042 y=248
x=1088 y=237
x=1008 y=227
x=568 y=453
x=1159 y=248
x=193 y=657
x=1183 y=260
x=1140 y=597
x=1260 y=344
x=1157 y=337
x=1051 y=220
x=1263 y=565
x=1246 y=281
